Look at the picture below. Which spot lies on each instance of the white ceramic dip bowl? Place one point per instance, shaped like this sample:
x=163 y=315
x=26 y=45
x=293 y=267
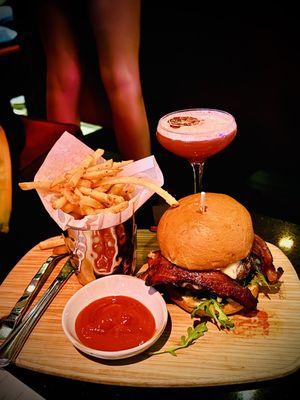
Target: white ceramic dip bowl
x=115 y=285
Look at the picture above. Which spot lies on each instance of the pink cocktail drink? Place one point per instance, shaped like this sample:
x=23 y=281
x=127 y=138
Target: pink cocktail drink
x=196 y=134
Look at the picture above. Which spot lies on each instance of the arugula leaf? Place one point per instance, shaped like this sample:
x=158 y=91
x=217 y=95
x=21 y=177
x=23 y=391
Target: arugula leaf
x=260 y=279
x=212 y=308
x=185 y=341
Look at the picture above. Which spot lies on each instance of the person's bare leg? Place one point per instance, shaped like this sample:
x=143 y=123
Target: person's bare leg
x=116 y=25
x=63 y=66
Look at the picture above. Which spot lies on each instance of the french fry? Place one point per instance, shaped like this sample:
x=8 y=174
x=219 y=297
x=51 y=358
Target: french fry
x=97 y=211
x=101 y=188
x=98 y=167
x=84 y=183
x=93 y=187
x=120 y=164
x=108 y=199
x=112 y=199
x=68 y=208
x=98 y=153
x=57 y=188
x=116 y=189
x=78 y=192
x=128 y=190
x=46 y=185
x=86 y=210
x=121 y=189
x=59 y=203
x=100 y=174
x=51 y=242
x=70 y=196
x=143 y=182
x=60 y=250
x=90 y=159
x=76 y=177
x=59 y=181
x=69 y=173
x=114 y=209
x=87 y=201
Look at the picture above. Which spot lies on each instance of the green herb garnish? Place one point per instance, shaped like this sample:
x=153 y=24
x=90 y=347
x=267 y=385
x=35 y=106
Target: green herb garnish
x=212 y=308
x=259 y=277
x=185 y=341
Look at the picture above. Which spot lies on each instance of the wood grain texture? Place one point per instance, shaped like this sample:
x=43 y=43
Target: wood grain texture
x=262 y=347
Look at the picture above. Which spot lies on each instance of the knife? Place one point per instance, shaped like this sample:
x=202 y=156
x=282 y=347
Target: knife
x=13 y=344
x=8 y=323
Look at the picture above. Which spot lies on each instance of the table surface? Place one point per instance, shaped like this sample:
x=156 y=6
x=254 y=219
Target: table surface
x=282 y=234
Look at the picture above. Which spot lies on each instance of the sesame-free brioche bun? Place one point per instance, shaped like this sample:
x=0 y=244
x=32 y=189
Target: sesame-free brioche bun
x=213 y=239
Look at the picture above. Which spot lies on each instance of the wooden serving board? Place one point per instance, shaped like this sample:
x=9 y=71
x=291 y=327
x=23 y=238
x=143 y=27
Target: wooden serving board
x=262 y=347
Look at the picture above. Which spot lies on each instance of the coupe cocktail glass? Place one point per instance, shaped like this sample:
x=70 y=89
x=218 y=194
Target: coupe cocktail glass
x=196 y=134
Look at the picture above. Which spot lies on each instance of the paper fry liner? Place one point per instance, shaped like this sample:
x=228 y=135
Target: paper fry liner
x=67 y=153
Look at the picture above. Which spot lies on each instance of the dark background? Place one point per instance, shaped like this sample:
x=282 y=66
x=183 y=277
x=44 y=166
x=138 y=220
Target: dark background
x=246 y=63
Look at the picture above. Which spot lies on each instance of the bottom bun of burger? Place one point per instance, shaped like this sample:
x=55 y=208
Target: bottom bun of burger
x=189 y=303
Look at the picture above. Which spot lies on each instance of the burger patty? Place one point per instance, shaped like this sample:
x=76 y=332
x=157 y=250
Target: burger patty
x=162 y=271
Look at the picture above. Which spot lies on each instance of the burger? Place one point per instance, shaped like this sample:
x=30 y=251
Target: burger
x=210 y=252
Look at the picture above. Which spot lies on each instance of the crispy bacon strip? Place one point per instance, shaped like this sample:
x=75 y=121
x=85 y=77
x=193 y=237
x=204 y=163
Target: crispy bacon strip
x=261 y=250
x=161 y=271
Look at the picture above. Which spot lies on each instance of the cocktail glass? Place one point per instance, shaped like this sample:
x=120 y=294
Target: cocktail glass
x=196 y=134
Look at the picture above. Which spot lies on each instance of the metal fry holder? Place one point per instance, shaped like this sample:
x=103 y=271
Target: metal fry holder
x=103 y=252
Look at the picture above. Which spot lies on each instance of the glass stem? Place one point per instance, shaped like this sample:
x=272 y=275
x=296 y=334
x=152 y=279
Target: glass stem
x=198 y=176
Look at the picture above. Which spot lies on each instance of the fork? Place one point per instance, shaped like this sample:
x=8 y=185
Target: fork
x=9 y=323
x=13 y=344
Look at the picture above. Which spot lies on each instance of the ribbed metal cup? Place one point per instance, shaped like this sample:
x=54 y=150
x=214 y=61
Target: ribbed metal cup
x=105 y=251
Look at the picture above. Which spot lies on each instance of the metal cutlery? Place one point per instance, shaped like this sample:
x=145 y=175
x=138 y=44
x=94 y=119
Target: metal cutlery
x=9 y=323
x=12 y=346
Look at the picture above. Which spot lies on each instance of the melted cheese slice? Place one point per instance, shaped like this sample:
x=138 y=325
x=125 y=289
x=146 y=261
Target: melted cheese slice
x=231 y=269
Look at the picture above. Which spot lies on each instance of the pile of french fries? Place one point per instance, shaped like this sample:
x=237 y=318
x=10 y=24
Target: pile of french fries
x=94 y=187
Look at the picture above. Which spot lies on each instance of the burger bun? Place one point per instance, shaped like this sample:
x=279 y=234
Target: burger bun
x=209 y=239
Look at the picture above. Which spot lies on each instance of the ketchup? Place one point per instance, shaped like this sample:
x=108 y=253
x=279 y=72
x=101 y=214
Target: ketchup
x=114 y=323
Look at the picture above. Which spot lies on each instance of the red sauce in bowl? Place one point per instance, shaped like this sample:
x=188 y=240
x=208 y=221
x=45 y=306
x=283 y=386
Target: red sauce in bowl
x=114 y=323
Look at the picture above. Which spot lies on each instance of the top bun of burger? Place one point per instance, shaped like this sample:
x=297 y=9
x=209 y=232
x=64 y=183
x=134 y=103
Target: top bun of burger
x=213 y=239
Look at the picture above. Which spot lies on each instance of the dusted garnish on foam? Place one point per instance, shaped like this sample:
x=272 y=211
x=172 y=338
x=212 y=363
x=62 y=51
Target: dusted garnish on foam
x=177 y=122
x=193 y=333
x=212 y=308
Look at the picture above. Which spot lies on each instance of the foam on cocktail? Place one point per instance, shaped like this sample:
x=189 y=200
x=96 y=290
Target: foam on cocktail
x=191 y=125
